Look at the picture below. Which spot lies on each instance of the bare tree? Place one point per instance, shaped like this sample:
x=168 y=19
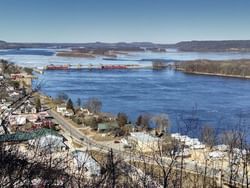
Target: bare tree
x=94 y=105
x=122 y=119
x=208 y=136
x=162 y=123
x=143 y=121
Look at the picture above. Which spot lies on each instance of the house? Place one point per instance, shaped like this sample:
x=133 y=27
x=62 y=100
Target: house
x=68 y=113
x=10 y=88
x=32 y=117
x=86 y=111
x=22 y=78
x=14 y=93
x=144 y=142
x=61 y=108
x=44 y=115
x=83 y=161
x=216 y=155
x=5 y=105
x=105 y=127
x=49 y=142
x=17 y=120
x=221 y=147
x=30 y=109
x=192 y=143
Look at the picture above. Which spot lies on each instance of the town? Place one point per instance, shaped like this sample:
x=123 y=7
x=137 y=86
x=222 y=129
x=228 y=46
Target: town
x=55 y=142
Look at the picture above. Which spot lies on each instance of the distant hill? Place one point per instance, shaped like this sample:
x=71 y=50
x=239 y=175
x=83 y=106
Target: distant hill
x=189 y=46
x=3 y=44
x=214 y=46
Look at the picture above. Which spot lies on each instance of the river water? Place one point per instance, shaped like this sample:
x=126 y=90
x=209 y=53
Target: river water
x=191 y=101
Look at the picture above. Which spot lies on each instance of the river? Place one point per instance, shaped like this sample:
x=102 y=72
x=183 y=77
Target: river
x=191 y=101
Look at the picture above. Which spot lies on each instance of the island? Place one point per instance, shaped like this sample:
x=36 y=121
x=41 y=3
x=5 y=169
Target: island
x=227 y=68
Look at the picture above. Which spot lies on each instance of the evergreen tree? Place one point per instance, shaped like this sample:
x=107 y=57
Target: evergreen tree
x=38 y=104
x=70 y=105
x=79 y=102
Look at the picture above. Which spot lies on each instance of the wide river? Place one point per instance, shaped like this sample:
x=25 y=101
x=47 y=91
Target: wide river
x=190 y=100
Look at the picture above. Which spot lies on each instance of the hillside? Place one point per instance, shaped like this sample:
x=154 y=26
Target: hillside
x=214 y=46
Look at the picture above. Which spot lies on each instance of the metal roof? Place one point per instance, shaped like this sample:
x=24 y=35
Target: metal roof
x=24 y=136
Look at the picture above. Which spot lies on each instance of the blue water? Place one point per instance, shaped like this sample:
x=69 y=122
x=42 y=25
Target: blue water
x=191 y=101
x=215 y=101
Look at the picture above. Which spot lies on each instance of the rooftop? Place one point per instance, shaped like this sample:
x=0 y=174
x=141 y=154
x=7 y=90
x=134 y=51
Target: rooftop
x=24 y=136
x=143 y=137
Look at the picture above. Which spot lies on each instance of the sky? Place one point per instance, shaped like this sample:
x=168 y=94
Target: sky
x=161 y=21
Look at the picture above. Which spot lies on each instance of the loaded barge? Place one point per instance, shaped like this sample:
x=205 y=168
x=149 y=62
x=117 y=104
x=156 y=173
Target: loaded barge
x=90 y=66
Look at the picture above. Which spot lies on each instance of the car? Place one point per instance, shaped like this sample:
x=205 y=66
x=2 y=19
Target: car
x=116 y=141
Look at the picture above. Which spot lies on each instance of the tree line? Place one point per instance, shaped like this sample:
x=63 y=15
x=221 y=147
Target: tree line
x=230 y=67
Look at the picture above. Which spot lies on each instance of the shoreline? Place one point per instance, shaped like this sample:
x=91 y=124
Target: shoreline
x=213 y=74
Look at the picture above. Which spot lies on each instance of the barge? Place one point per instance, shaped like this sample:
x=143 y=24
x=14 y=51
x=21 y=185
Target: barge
x=57 y=67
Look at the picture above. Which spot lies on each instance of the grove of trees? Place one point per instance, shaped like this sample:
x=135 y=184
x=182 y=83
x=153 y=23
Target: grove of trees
x=230 y=67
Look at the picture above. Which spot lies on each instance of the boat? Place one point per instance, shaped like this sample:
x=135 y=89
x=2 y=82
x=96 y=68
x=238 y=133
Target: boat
x=114 y=67
x=57 y=67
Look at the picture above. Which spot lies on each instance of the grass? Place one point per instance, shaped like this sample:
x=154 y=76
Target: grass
x=76 y=144
x=96 y=135
x=85 y=131
x=99 y=156
x=99 y=137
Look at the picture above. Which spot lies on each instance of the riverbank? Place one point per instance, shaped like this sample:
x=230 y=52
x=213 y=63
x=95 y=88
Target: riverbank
x=227 y=68
x=213 y=74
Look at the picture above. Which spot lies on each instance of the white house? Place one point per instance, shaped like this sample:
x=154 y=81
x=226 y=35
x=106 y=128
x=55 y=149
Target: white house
x=68 y=113
x=17 y=120
x=61 y=108
x=32 y=117
x=82 y=160
x=86 y=111
x=144 y=141
x=216 y=155
x=192 y=143
x=49 y=142
x=221 y=147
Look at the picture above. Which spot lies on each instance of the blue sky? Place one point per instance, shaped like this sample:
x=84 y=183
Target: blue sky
x=162 y=21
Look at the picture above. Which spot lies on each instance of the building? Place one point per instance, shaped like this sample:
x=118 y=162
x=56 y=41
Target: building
x=192 y=143
x=105 y=127
x=144 y=142
x=25 y=136
x=61 y=108
x=22 y=78
x=68 y=113
x=49 y=142
x=83 y=161
x=17 y=120
x=85 y=111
